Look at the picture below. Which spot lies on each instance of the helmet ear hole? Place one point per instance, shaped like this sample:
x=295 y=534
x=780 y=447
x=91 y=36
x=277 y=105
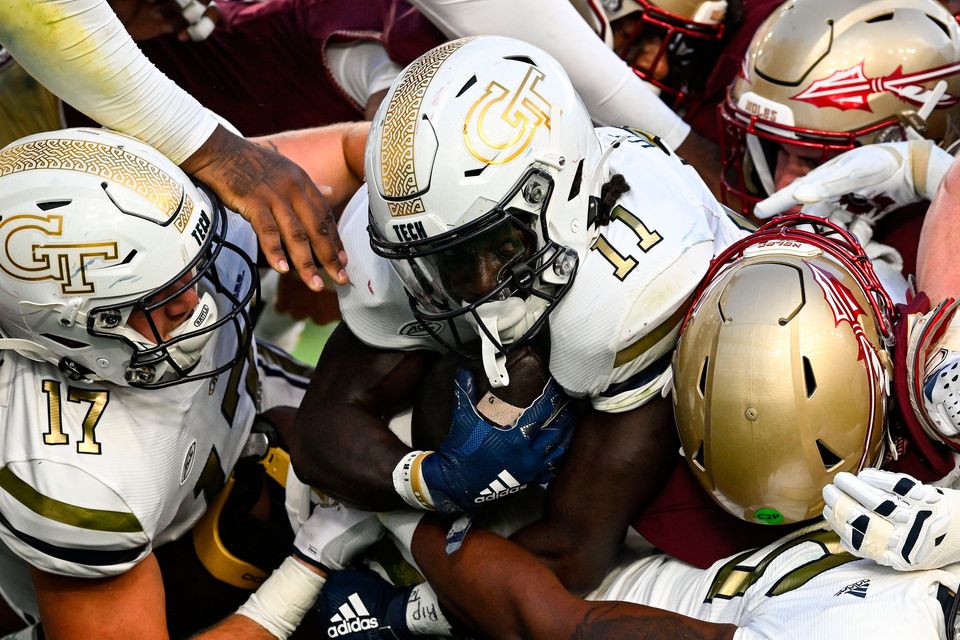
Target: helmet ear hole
x=809 y=380
x=829 y=458
x=698 y=457
x=702 y=384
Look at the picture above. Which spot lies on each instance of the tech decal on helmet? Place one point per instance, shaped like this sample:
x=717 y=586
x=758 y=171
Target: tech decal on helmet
x=781 y=374
x=480 y=166
x=831 y=76
x=96 y=226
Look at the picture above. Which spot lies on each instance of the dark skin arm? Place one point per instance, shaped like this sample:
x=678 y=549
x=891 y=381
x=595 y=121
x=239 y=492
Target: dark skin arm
x=489 y=574
x=340 y=441
x=616 y=464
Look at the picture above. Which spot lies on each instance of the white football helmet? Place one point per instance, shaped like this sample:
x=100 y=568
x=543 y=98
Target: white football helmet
x=95 y=226
x=482 y=164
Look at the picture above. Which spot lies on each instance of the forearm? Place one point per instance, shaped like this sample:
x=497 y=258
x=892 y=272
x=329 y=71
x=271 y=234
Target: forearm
x=489 y=574
x=79 y=50
x=937 y=275
x=617 y=463
x=351 y=457
x=235 y=627
x=331 y=155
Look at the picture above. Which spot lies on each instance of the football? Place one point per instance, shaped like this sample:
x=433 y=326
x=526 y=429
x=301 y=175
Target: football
x=528 y=367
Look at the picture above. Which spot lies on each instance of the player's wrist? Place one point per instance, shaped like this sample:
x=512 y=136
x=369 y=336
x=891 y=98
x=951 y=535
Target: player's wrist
x=281 y=602
x=409 y=483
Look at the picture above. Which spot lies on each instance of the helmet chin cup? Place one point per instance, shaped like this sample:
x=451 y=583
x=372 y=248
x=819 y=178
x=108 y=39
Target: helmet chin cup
x=186 y=353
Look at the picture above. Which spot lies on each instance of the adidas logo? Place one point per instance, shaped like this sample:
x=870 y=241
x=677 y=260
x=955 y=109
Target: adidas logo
x=858 y=588
x=352 y=617
x=504 y=485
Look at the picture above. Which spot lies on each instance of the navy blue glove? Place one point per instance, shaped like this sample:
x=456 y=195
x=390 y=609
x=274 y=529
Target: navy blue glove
x=480 y=461
x=360 y=605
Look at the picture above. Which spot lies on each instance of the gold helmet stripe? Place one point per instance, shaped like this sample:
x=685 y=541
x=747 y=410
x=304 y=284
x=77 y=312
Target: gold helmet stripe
x=106 y=161
x=399 y=176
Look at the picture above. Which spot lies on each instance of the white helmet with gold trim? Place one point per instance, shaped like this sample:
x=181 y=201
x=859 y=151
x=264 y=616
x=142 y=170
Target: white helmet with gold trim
x=97 y=228
x=482 y=165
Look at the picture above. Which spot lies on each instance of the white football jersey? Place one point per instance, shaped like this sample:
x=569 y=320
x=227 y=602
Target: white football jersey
x=93 y=476
x=803 y=586
x=611 y=336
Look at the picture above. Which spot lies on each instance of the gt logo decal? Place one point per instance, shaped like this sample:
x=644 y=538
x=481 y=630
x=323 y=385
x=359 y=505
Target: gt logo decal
x=501 y=123
x=34 y=258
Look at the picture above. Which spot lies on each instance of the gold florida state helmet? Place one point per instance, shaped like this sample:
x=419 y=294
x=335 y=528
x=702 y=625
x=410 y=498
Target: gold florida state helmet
x=781 y=375
x=830 y=75
x=680 y=27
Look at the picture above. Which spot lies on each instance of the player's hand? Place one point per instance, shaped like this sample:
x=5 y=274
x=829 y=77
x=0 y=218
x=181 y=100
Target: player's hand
x=278 y=198
x=482 y=461
x=335 y=534
x=871 y=179
x=894 y=520
x=360 y=605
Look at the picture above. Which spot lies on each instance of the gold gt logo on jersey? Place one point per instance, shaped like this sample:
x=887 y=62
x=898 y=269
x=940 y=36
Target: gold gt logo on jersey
x=30 y=252
x=501 y=123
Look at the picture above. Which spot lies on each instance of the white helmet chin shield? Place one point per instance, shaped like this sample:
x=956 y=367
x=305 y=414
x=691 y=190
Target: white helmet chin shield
x=98 y=228
x=482 y=168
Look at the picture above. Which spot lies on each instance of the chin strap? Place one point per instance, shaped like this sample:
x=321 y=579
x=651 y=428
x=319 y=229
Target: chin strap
x=506 y=321
x=494 y=361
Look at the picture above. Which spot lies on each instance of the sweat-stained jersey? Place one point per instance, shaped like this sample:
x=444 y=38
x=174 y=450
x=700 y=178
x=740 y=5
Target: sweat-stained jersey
x=93 y=476
x=802 y=587
x=612 y=334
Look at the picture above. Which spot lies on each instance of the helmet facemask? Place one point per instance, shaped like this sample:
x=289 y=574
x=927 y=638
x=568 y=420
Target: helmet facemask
x=686 y=45
x=501 y=271
x=159 y=360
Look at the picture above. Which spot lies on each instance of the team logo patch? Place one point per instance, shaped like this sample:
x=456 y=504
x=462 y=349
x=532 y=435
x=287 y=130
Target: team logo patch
x=417 y=329
x=352 y=616
x=858 y=588
x=851 y=88
x=503 y=121
x=188 y=462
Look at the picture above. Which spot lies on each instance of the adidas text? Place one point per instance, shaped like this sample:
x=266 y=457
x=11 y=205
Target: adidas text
x=351 y=626
x=503 y=485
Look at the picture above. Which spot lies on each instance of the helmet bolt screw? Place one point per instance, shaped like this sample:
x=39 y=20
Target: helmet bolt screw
x=562 y=161
x=533 y=193
x=751 y=414
x=103 y=363
x=65 y=322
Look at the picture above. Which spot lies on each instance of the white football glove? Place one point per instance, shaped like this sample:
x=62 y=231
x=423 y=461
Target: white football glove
x=894 y=520
x=335 y=534
x=878 y=177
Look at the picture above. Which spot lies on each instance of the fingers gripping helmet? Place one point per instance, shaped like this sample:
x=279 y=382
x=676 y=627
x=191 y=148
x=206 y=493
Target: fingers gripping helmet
x=830 y=76
x=481 y=166
x=95 y=227
x=781 y=375
x=673 y=32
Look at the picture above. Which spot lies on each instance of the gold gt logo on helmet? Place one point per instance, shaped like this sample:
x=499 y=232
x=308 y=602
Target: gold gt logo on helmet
x=65 y=263
x=501 y=123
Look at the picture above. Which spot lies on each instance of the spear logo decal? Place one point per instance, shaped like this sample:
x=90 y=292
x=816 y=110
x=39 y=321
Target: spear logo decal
x=850 y=88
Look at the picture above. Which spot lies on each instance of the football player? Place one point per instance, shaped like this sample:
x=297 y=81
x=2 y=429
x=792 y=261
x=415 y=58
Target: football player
x=129 y=382
x=665 y=40
x=492 y=206
x=82 y=53
x=820 y=78
x=804 y=585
